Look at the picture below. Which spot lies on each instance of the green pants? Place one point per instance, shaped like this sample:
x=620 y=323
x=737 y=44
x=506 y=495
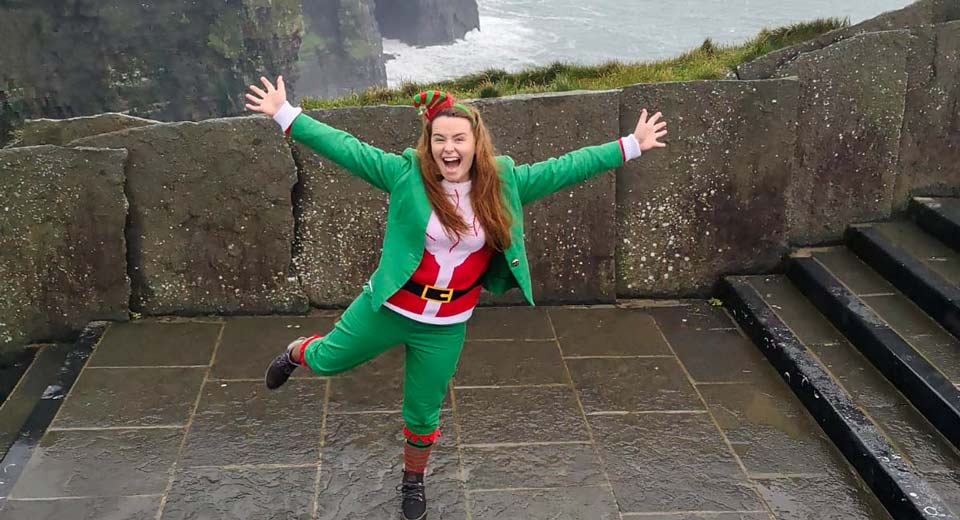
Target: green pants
x=431 y=356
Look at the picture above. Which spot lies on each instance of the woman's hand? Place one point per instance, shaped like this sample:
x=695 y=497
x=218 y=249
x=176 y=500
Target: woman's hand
x=648 y=131
x=269 y=101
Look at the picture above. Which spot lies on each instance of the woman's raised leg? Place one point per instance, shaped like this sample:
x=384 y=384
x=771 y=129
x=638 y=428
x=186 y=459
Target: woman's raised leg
x=358 y=336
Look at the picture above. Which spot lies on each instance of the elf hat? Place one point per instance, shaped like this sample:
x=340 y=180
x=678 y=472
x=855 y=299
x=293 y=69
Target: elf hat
x=432 y=102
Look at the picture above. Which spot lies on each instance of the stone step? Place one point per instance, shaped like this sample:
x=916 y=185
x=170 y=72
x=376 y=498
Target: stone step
x=923 y=268
x=907 y=346
x=940 y=217
x=52 y=374
x=909 y=466
x=940 y=348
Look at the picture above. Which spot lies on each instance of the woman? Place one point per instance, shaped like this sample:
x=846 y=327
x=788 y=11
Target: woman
x=454 y=225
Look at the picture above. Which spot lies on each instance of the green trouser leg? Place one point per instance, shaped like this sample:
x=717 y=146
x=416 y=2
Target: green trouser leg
x=432 y=352
x=431 y=359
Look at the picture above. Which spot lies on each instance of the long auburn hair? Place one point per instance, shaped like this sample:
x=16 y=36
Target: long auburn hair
x=485 y=194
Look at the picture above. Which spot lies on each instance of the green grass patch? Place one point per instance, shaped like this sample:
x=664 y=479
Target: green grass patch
x=709 y=61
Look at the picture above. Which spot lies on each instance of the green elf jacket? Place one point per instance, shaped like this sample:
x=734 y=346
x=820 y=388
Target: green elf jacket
x=409 y=208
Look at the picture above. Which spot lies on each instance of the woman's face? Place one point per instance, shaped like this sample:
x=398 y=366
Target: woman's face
x=453 y=145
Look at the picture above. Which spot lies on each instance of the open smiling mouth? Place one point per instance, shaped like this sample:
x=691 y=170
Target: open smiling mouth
x=451 y=163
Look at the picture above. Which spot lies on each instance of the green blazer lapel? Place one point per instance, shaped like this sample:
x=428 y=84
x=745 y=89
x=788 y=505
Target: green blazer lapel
x=418 y=198
x=415 y=198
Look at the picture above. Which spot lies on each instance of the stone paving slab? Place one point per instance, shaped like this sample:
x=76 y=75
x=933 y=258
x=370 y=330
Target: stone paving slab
x=137 y=397
x=770 y=430
x=240 y=493
x=607 y=412
x=89 y=463
x=681 y=461
x=85 y=508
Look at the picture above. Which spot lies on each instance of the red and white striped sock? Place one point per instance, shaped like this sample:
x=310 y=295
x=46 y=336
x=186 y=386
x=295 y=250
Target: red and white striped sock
x=415 y=456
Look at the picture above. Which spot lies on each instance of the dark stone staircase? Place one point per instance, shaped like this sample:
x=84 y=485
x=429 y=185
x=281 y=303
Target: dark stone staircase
x=866 y=334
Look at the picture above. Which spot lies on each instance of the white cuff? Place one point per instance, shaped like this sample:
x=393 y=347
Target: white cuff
x=285 y=116
x=631 y=147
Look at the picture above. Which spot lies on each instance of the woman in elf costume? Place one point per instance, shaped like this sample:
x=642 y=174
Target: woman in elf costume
x=454 y=225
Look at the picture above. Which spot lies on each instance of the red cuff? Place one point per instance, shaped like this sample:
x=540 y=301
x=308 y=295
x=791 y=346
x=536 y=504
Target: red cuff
x=623 y=153
x=303 y=349
x=431 y=438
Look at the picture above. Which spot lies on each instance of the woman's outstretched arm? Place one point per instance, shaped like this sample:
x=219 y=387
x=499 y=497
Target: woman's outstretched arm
x=367 y=162
x=543 y=178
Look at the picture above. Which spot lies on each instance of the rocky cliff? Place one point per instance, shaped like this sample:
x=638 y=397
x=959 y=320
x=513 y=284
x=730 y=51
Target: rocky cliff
x=166 y=59
x=427 y=22
x=342 y=48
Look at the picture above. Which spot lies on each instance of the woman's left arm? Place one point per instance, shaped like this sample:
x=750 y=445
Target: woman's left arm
x=543 y=178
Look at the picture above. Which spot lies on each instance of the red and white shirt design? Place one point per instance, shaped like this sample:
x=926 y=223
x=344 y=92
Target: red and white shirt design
x=448 y=262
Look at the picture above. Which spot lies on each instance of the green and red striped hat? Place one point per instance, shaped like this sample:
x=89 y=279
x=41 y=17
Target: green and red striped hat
x=432 y=102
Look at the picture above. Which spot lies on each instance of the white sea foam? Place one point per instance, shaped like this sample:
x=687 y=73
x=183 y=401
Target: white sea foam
x=508 y=44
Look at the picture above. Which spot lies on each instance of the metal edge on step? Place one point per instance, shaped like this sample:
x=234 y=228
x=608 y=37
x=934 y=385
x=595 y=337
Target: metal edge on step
x=935 y=221
x=898 y=486
x=46 y=408
x=929 y=391
x=930 y=291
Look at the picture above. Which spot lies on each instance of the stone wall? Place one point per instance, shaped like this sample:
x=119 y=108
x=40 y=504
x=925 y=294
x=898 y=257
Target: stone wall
x=62 y=249
x=211 y=220
x=851 y=108
x=714 y=201
x=62 y=131
x=930 y=138
x=226 y=216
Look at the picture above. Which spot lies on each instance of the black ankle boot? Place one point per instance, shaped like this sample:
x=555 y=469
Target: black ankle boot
x=279 y=370
x=414 y=505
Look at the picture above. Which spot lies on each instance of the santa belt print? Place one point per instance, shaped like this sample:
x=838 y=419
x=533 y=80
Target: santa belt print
x=439 y=294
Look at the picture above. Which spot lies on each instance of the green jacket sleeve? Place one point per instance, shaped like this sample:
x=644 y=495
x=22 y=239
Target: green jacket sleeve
x=543 y=178
x=367 y=162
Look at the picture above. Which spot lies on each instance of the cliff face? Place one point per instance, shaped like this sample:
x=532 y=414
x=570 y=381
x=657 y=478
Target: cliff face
x=342 y=48
x=427 y=22
x=166 y=59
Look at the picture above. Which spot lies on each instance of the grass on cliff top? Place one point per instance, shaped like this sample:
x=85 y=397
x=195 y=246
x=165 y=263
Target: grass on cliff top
x=709 y=61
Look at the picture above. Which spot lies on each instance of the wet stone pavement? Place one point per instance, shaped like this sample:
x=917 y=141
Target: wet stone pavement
x=655 y=413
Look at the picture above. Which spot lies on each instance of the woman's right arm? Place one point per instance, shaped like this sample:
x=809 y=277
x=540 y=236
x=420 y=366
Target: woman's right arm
x=367 y=162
